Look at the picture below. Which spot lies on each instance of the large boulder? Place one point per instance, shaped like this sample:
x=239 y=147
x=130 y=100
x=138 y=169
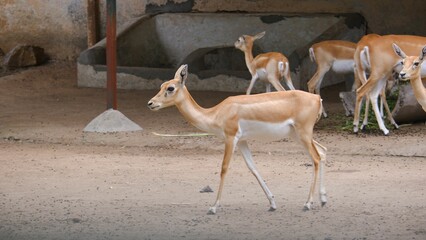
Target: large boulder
x=24 y=56
x=407 y=108
x=1 y=58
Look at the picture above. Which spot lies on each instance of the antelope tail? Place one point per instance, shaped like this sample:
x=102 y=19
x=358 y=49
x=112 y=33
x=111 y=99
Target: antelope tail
x=312 y=55
x=365 y=57
x=283 y=68
x=320 y=111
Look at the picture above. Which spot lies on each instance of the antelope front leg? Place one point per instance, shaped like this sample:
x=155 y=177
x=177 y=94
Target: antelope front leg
x=374 y=102
x=378 y=116
x=229 y=150
x=252 y=81
x=388 y=112
x=250 y=164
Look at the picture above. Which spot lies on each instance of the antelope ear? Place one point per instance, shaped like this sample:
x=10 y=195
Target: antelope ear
x=259 y=35
x=398 y=51
x=182 y=74
x=423 y=54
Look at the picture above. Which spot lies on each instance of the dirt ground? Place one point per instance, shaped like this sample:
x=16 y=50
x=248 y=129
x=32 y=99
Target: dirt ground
x=57 y=182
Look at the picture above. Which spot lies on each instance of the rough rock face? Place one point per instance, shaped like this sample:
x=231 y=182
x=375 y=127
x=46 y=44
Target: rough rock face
x=1 y=58
x=24 y=56
x=407 y=108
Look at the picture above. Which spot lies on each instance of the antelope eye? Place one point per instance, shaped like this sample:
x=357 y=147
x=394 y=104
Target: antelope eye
x=170 y=89
x=416 y=64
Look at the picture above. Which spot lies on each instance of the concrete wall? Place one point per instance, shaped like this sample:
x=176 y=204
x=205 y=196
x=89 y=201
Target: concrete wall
x=384 y=16
x=153 y=46
x=59 y=26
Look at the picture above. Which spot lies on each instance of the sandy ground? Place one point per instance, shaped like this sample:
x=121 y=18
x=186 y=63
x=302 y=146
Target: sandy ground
x=57 y=182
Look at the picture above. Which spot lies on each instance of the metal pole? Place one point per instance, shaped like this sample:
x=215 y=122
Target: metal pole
x=92 y=22
x=111 y=55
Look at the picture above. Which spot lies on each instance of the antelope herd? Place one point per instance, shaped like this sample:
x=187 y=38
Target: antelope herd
x=275 y=115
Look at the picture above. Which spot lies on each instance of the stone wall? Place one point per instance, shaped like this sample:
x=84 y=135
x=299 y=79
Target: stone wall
x=59 y=26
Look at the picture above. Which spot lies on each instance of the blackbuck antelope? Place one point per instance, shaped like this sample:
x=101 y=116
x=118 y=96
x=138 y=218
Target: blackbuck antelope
x=362 y=68
x=269 y=67
x=411 y=71
x=383 y=62
x=238 y=119
x=329 y=55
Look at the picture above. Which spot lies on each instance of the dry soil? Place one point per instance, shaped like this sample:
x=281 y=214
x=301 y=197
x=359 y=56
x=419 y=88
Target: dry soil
x=58 y=182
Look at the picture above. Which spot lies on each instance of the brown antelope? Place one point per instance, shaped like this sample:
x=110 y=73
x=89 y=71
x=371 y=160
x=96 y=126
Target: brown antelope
x=238 y=119
x=337 y=55
x=362 y=67
x=411 y=71
x=383 y=61
x=269 y=67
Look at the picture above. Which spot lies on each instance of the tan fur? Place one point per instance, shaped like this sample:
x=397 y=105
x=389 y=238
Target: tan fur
x=325 y=54
x=361 y=70
x=267 y=61
x=297 y=108
x=382 y=61
x=411 y=73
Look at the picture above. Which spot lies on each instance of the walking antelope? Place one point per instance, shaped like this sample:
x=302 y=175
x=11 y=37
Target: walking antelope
x=337 y=55
x=383 y=61
x=411 y=71
x=270 y=67
x=238 y=119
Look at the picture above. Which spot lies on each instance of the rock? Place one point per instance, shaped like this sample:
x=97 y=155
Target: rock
x=206 y=189
x=1 y=59
x=407 y=108
x=24 y=56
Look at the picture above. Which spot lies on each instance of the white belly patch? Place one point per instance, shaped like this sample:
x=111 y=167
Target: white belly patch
x=423 y=70
x=343 y=66
x=249 y=129
x=261 y=73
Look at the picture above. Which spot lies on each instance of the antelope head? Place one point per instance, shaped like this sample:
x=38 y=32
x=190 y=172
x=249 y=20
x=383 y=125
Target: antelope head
x=245 y=42
x=171 y=91
x=411 y=65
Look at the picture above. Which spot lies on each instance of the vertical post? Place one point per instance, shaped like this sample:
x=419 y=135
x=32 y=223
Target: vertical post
x=92 y=22
x=111 y=55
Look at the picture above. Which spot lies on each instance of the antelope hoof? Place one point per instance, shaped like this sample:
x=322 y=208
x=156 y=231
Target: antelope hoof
x=212 y=211
x=395 y=126
x=272 y=209
x=323 y=199
x=385 y=132
x=355 y=128
x=308 y=206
